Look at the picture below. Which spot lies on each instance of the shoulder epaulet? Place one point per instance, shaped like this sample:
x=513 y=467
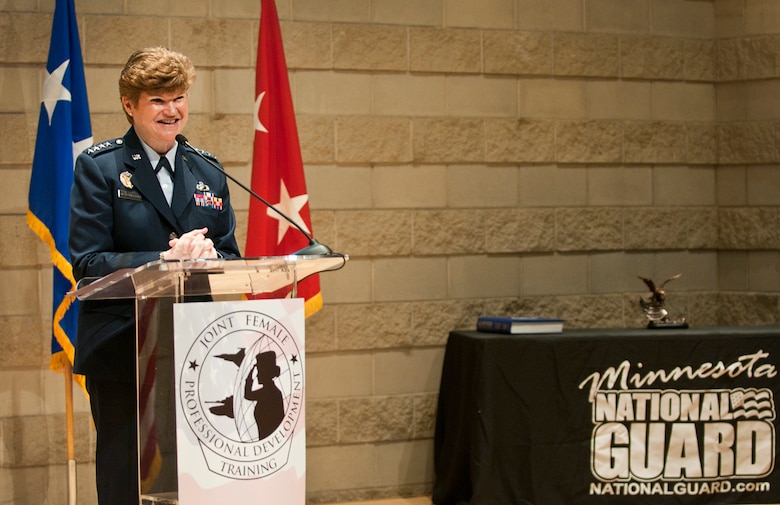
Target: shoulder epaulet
x=104 y=147
x=204 y=153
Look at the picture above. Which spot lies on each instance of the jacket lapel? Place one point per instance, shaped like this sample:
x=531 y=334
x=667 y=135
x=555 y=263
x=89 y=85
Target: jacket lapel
x=183 y=184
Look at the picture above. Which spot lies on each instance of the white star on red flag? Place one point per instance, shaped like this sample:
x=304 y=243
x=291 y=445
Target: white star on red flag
x=291 y=206
x=258 y=123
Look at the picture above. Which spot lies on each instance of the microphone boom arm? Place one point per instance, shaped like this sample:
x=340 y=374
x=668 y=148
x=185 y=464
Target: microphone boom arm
x=313 y=249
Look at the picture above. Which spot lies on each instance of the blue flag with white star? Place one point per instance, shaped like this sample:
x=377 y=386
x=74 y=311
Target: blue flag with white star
x=64 y=130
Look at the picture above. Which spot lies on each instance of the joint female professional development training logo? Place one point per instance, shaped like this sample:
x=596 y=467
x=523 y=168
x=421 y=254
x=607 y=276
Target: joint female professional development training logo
x=241 y=392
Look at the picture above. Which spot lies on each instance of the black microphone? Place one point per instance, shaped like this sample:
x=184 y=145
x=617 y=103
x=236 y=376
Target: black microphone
x=314 y=248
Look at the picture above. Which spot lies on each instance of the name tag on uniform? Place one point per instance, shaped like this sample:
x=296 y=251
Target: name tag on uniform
x=129 y=195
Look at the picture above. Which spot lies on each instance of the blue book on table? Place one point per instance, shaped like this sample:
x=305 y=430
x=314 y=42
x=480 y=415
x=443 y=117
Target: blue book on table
x=517 y=325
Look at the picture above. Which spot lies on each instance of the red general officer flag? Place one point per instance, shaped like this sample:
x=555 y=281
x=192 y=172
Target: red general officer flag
x=277 y=166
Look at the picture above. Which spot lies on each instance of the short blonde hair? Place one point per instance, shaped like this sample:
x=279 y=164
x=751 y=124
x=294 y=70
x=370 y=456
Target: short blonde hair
x=155 y=69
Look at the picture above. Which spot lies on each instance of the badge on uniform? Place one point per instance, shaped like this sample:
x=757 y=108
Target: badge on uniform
x=208 y=200
x=126 y=179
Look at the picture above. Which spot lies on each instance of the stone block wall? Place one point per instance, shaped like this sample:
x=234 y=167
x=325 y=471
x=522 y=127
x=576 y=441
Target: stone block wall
x=746 y=52
x=472 y=157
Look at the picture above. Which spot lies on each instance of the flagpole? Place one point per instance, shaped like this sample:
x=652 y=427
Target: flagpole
x=69 y=429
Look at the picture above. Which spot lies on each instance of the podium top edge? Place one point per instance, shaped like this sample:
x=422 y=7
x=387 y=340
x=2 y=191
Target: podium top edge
x=306 y=264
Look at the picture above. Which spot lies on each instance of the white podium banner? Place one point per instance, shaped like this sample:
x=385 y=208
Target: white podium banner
x=240 y=422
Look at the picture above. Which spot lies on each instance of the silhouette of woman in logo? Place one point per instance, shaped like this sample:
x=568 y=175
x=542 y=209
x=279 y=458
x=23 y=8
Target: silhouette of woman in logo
x=269 y=409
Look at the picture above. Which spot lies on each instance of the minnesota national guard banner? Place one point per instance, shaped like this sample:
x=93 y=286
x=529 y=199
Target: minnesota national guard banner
x=609 y=417
x=240 y=402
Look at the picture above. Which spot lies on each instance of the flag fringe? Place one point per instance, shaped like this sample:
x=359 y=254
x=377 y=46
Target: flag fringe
x=43 y=233
x=153 y=471
x=68 y=352
x=312 y=305
x=59 y=333
x=60 y=362
x=58 y=359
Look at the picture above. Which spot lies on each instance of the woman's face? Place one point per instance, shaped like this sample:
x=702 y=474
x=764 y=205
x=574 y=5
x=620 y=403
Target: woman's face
x=158 y=117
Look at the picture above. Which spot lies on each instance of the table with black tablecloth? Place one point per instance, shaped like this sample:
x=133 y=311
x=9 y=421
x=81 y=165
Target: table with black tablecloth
x=671 y=416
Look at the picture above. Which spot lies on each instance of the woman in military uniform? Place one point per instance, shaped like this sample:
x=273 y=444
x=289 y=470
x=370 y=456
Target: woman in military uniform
x=135 y=199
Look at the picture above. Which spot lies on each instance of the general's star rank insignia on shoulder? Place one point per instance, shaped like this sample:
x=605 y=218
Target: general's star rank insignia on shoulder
x=105 y=146
x=203 y=152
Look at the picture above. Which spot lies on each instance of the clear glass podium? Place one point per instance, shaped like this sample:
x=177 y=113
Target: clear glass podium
x=155 y=287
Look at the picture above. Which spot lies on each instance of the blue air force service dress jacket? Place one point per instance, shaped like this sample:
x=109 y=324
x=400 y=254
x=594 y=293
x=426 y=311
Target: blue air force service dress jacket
x=119 y=218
